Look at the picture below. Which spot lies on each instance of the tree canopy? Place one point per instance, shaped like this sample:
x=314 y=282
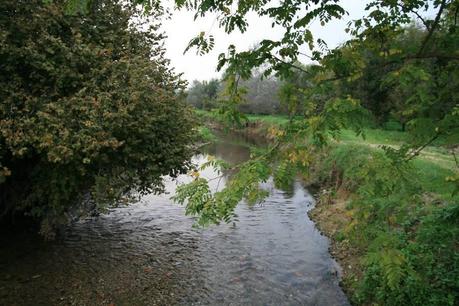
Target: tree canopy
x=395 y=64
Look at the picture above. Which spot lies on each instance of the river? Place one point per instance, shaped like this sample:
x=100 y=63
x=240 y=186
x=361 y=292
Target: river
x=149 y=254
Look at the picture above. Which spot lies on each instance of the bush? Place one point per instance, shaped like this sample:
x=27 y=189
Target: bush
x=89 y=110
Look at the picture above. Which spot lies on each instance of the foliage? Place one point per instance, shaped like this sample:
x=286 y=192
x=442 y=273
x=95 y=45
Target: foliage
x=405 y=63
x=391 y=67
x=407 y=234
x=212 y=208
x=397 y=72
x=230 y=99
x=293 y=93
x=203 y=95
x=89 y=110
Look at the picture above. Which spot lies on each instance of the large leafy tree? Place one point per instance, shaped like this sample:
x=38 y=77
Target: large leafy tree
x=404 y=72
x=90 y=111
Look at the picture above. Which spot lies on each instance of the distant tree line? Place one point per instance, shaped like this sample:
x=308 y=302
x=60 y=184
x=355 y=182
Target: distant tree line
x=261 y=95
x=393 y=92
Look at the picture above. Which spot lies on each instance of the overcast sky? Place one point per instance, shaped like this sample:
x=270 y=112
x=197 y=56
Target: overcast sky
x=181 y=28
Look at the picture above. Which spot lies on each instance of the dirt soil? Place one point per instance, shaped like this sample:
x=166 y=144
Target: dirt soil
x=332 y=218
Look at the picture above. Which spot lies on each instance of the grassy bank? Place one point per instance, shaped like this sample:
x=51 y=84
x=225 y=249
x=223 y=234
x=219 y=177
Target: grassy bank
x=397 y=239
x=373 y=138
x=394 y=227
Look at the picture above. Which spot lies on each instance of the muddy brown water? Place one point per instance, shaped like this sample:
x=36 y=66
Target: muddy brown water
x=149 y=254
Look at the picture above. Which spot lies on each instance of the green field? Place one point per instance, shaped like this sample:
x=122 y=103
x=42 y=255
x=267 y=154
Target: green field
x=375 y=138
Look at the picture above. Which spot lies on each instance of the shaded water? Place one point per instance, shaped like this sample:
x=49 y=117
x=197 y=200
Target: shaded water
x=148 y=254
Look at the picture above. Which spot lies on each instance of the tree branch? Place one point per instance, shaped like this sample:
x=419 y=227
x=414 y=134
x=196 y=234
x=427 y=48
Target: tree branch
x=290 y=64
x=419 y=149
x=455 y=14
x=455 y=158
x=432 y=28
x=405 y=58
x=304 y=54
x=417 y=15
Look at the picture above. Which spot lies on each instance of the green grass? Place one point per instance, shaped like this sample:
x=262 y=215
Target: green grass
x=201 y=112
x=432 y=177
x=374 y=138
x=206 y=134
x=435 y=156
x=271 y=119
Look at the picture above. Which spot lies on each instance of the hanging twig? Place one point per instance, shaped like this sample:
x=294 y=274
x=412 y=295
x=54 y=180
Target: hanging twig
x=424 y=22
x=432 y=28
x=419 y=149
x=290 y=64
x=455 y=158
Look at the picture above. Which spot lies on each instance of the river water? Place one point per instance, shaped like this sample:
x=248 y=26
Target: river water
x=149 y=254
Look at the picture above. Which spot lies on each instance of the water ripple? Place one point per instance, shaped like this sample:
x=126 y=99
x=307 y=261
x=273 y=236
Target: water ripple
x=149 y=254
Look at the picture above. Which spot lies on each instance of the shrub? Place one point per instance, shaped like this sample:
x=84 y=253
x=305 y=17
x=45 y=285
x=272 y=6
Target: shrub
x=89 y=111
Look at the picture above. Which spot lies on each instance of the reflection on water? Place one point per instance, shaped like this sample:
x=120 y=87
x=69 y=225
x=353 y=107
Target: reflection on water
x=149 y=254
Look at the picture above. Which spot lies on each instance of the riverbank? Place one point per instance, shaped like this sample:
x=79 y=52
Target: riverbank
x=331 y=217
x=394 y=242
x=393 y=228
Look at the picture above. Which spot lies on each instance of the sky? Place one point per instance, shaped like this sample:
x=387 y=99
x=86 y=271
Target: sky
x=181 y=27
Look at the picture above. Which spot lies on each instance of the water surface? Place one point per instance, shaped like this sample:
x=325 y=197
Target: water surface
x=149 y=254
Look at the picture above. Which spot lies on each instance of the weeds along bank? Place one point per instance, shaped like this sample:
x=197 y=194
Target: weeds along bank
x=394 y=227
